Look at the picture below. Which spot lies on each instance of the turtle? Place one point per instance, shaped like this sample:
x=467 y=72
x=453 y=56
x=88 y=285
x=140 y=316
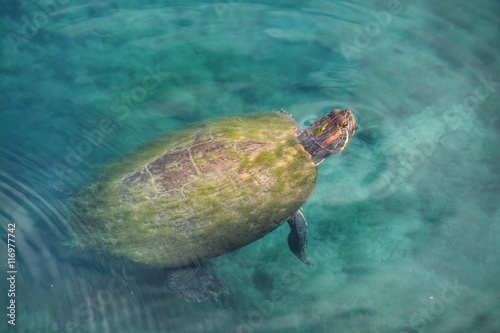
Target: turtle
x=207 y=190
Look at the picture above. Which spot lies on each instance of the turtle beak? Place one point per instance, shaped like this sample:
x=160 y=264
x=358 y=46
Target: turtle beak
x=351 y=120
x=351 y=127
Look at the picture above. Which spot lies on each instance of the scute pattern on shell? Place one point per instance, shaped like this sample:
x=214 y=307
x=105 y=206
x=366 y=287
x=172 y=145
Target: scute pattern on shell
x=200 y=192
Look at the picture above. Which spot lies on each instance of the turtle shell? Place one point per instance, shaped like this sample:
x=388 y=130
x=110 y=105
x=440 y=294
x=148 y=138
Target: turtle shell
x=198 y=193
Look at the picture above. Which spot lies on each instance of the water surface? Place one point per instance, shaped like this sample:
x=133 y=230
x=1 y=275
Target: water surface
x=404 y=227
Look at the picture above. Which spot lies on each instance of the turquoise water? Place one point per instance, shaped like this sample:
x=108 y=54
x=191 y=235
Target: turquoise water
x=404 y=226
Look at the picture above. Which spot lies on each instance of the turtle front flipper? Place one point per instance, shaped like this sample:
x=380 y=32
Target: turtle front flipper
x=193 y=283
x=297 y=239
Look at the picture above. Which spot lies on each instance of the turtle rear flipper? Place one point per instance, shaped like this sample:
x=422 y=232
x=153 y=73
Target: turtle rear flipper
x=193 y=283
x=297 y=238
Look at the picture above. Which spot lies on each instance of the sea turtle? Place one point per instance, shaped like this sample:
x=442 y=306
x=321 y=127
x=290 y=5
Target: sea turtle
x=208 y=190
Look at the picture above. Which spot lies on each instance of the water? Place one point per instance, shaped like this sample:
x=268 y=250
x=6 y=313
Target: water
x=404 y=226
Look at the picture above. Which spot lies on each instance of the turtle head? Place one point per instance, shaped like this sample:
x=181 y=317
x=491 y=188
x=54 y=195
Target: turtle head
x=328 y=135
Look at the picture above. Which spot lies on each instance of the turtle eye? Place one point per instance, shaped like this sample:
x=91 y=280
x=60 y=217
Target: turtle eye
x=344 y=124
